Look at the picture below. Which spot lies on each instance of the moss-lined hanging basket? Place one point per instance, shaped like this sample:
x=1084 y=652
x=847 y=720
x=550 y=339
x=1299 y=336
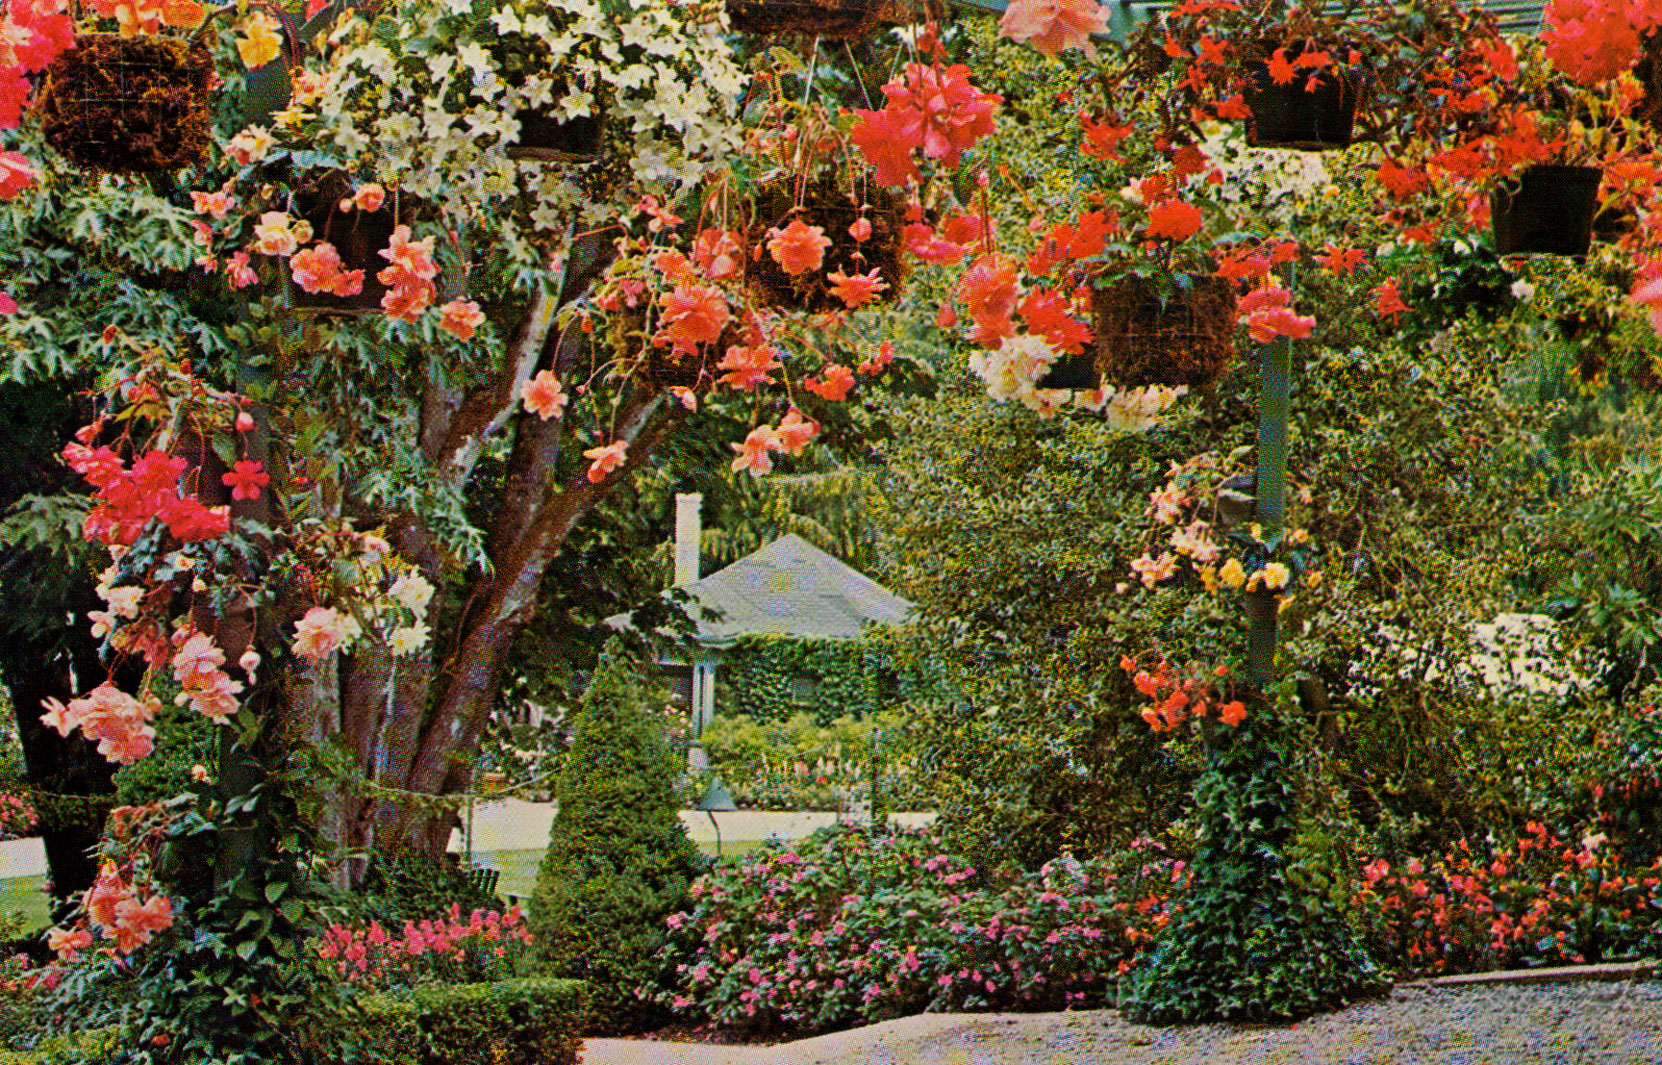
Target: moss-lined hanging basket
x=129 y=105
x=826 y=205
x=845 y=19
x=1078 y=372
x=1182 y=336
x=358 y=237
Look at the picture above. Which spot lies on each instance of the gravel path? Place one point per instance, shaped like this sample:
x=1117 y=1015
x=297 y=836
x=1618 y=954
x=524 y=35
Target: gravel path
x=1606 y=1023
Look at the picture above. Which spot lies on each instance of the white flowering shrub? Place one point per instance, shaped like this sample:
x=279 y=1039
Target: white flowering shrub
x=432 y=93
x=1277 y=184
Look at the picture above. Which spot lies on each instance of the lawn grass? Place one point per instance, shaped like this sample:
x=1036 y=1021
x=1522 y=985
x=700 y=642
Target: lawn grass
x=28 y=895
x=519 y=868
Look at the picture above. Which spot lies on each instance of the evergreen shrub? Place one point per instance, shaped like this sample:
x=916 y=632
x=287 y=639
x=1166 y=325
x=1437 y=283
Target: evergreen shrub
x=619 y=861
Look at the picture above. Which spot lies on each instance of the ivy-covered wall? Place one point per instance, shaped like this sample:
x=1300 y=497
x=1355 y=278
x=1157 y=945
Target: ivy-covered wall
x=772 y=677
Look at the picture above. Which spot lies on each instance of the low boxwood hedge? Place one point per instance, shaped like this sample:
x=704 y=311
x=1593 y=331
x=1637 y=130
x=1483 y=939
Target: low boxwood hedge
x=511 y=1022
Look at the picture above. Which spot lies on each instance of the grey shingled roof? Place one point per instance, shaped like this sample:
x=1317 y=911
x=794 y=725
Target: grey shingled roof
x=788 y=588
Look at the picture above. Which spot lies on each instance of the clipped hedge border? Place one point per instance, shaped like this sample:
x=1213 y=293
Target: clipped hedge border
x=511 y=1022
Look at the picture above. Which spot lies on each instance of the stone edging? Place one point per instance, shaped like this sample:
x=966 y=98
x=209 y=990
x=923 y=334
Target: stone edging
x=1627 y=970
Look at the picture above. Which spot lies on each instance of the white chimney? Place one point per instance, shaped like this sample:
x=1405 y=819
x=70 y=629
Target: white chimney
x=689 y=530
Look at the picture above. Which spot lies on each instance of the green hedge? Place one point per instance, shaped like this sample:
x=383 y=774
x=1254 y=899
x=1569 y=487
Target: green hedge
x=513 y=1022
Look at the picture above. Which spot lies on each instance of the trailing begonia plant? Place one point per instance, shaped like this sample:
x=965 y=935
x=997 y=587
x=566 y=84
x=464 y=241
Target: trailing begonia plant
x=433 y=96
x=1410 y=70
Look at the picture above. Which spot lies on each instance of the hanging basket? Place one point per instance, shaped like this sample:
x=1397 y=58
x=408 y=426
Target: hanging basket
x=546 y=138
x=1293 y=116
x=129 y=105
x=1077 y=372
x=834 y=210
x=844 y=19
x=358 y=237
x=1185 y=339
x=1550 y=212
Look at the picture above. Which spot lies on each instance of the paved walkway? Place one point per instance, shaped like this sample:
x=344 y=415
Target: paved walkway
x=515 y=825
x=1586 y=1023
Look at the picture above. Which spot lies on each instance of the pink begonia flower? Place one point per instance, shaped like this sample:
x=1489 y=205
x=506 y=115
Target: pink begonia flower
x=605 y=459
x=7 y=304
x=1648 y=294
x=15 y=174
x=1053 y=26
x=798 y=247
x=317 y=268
x=241 y=274
x=543 y=396
x=213 y=204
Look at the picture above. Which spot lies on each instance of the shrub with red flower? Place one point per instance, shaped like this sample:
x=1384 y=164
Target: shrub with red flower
x=482 y=946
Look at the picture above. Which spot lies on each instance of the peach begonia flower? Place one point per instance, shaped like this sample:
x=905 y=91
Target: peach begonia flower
x=718 y=252
x=1232 y=713
x=753 y=453
x=798 y=247
x=213 y=204
x=745 y=367
x=1053 y=26
x=692 y=314
x=857 y=289
x=135 y=921
x=605 y=459
x=68 y=943
x=860 y=229
x=839 y=379
x=460 y=317
x=197 y=660
x=1152 y=571
x=274 y=234
x=369 y=197
x=543 y=396
x=322 y=631
x=249 y=146
x=795 y=431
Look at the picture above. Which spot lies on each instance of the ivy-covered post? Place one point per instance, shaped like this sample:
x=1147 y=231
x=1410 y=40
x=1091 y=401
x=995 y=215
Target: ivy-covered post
x=1249 y=942
x=1274 y=396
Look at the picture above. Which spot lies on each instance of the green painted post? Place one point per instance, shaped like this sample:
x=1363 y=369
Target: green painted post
x=1270 y=511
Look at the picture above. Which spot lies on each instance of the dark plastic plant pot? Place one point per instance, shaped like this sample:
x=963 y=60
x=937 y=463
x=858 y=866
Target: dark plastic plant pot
x=547 y=139
x=1549 y=212
x=1077 y=372
x=129 y=105
x=843 y=19
x=1292 y=116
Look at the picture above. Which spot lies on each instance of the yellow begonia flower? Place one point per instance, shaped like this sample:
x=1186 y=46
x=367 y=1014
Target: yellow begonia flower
x=1275 y=576
x=262 y=42
x=1232 y=574
x=1312 y=578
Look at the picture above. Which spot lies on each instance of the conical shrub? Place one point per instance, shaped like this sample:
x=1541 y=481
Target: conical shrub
x=619 y=862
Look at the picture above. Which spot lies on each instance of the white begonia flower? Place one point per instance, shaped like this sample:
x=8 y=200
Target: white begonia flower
x=476 y=57
x=507 y=21
x=1522 y=290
